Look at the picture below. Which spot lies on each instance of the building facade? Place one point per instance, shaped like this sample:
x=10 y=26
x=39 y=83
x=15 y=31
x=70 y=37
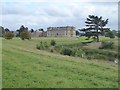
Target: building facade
x=68 y=31
x=39 y=34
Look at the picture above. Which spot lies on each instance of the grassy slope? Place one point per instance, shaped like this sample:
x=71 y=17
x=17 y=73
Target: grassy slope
x=25 y=66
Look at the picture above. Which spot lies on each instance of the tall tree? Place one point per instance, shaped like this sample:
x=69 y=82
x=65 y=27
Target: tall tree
x=32 y=30
x=21 y=29
x=95 y=26
x=7 y=30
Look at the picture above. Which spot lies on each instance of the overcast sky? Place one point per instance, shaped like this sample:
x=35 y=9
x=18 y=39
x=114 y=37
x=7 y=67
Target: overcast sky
x=42 y=14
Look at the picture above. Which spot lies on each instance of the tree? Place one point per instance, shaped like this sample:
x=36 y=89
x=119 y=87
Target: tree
x=77 y=33
x=22 y=28
x=114 y=32
x=7 y=30
x=95 y=26
x=25 y=35
x=8 y=35
x=109 y=34
x=41 y=29
x=2 y=31
x=31 y=30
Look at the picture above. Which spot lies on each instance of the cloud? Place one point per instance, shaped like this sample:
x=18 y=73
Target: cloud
x=44 y=14
x=60 y=1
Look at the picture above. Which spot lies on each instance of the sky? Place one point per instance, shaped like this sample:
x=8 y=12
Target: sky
x=36 y=14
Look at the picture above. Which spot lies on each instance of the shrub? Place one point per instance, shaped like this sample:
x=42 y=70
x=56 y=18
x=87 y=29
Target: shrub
x=42 y=45
x=38 y=46
x=58 y=48
x=102 y=57
x=107 y=45
x=46 y=45
x=25 y=35
x=79 y=53
x=8 y=35
x=51 y=50
x=66 y=51
x=52 y=43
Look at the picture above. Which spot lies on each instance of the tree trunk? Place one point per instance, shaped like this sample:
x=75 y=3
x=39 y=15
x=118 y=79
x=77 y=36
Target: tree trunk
x=97 y=38
x=97 y=34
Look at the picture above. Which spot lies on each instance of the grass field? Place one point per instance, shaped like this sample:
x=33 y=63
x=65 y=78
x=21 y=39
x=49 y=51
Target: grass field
x=25 y=66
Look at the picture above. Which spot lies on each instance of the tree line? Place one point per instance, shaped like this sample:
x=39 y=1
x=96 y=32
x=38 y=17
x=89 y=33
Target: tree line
x=22 y=32
x=95 y=26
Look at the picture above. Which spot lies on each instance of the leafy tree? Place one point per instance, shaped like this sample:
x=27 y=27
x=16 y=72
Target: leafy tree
x=110 y=34
x=95 y=26
x=114 y=32
x=8 y=35
x=25 y=35
x=22 y=28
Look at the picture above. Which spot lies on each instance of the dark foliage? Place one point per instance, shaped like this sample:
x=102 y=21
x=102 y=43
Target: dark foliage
x=95 y=26
x=8 y=35
x=25 y=35
x=109 y=34
x=52 y=43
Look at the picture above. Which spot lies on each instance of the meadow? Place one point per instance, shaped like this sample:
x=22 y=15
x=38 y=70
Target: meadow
x=25 y=66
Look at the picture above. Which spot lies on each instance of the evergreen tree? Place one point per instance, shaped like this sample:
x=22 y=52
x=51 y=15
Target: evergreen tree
x=95 y=26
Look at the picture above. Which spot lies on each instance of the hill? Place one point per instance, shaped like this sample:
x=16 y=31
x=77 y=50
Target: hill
x=25 y=66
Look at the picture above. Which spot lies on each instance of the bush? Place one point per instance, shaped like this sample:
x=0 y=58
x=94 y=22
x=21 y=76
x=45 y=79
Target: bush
x=42 y=45
x=52 y=50
x=79 y=53
x=8 y=35
x=102 y=57
x=66 y=51
x=46 y=45
x=25 y=35
x=107 y=45
x=52 y=43
x=38 y=46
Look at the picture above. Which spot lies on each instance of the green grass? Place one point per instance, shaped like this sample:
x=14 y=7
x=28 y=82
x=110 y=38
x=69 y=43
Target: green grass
x=25 y=66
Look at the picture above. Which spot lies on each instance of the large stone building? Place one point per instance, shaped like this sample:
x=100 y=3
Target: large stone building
x=39 y=34
x=68 y=31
